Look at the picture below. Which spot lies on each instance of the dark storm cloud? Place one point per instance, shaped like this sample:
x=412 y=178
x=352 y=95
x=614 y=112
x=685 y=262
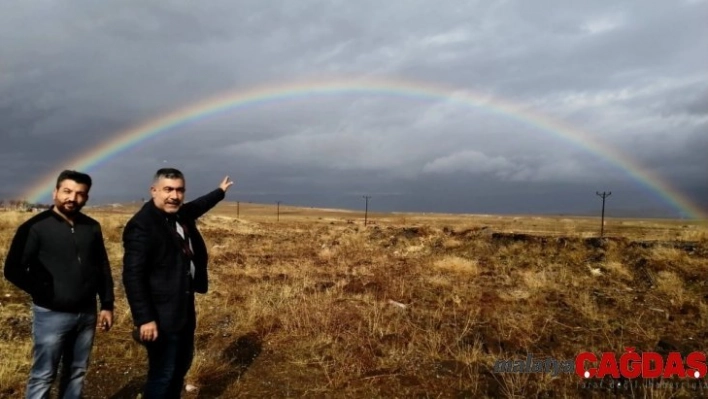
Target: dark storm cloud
x=627 y=75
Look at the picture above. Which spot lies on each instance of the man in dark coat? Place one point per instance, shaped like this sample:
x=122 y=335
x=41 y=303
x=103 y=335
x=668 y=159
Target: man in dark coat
x=164 y=264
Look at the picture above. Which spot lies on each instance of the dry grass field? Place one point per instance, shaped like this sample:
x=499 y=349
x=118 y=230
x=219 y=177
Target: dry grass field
x=316 y=304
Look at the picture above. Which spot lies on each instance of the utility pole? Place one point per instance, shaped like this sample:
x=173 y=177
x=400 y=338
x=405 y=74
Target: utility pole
x=366 y=210
x=237 y=206
x=278 y=211
x=603 y=196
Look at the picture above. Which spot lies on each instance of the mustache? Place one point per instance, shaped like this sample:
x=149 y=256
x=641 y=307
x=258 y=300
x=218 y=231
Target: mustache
x=173 y=202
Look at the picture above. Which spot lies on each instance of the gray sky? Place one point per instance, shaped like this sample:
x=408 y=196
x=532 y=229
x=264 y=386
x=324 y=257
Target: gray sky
x=629 y=74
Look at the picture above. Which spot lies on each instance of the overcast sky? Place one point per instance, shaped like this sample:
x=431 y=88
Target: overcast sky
x=630 y=74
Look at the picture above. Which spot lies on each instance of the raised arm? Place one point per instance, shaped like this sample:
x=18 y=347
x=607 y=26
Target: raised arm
x=135 y=263
x=198 y=207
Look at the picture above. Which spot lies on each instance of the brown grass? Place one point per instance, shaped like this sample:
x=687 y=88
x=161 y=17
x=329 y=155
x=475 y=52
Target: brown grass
x=318 y=305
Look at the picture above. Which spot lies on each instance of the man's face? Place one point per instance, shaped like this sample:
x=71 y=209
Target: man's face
x=168 y=194
x=70 y=197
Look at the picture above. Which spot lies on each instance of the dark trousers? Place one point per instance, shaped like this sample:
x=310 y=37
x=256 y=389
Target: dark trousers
x=169 y=360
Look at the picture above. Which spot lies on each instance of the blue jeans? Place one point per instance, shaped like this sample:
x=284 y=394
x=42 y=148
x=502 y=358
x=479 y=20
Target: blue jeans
x=169 y=360
x=60 y=336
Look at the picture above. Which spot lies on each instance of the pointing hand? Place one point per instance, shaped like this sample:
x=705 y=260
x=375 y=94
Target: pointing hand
x=225 y=184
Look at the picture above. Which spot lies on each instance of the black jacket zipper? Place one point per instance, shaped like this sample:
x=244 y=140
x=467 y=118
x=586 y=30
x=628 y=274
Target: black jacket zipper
x=76 y=244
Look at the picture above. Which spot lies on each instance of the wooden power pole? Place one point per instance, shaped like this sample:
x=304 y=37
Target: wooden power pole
x=602 y=220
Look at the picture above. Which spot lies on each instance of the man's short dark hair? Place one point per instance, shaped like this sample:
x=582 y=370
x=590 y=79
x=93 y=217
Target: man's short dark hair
x=168 y=173
x=79 y=177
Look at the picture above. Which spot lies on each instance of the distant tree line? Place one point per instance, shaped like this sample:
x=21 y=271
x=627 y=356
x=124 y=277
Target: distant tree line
x=23 y=205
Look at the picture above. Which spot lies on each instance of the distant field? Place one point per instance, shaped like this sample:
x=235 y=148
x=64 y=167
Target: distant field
x=412 y=305
x=578 y=226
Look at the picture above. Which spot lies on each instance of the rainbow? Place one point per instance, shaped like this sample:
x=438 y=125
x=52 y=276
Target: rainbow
x=235 y=100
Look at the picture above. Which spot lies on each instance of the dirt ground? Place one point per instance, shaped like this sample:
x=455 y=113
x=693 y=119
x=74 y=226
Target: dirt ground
x=318 y=305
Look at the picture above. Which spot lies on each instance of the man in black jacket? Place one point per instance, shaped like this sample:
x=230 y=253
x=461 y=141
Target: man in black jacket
x=164 y=264
x=59 y=258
